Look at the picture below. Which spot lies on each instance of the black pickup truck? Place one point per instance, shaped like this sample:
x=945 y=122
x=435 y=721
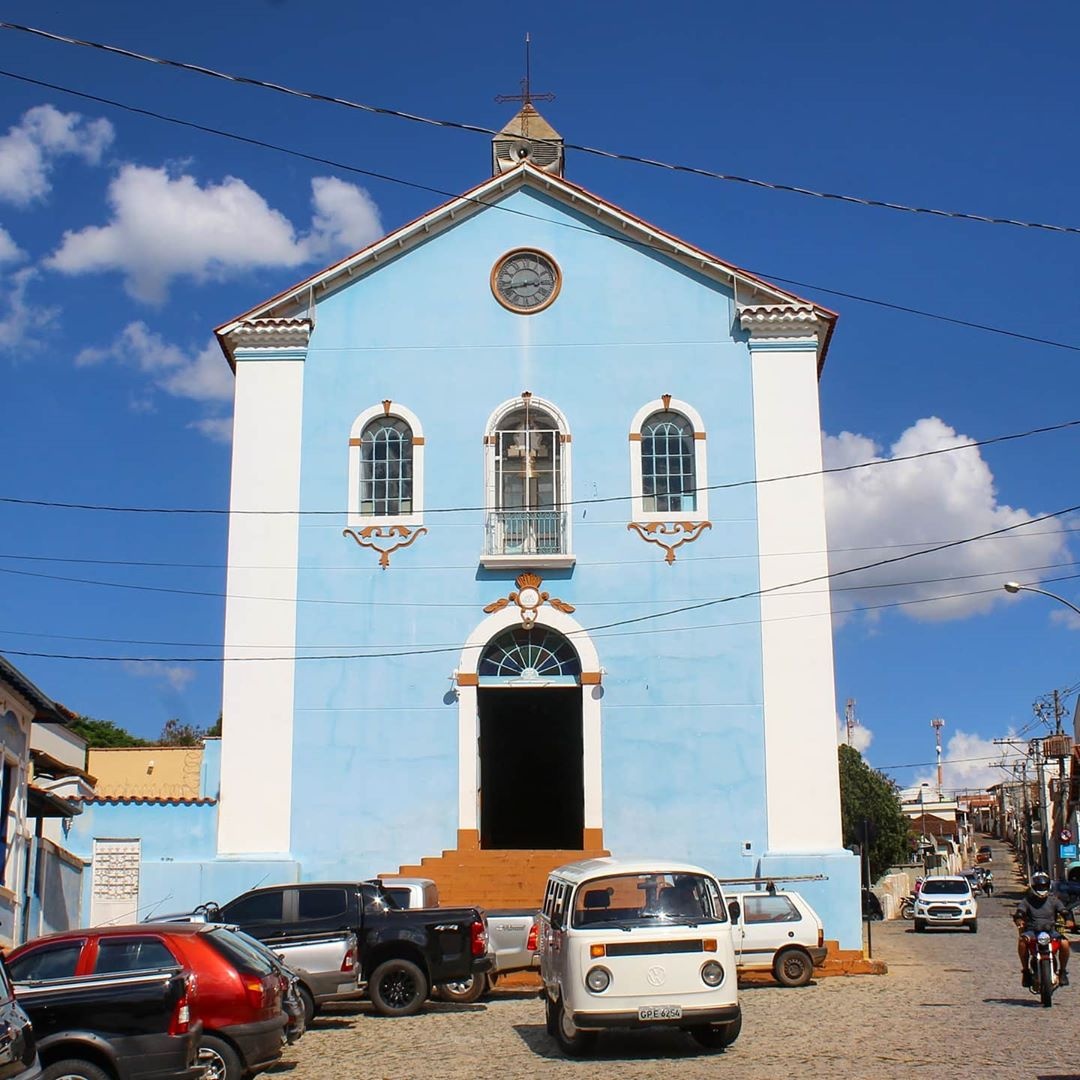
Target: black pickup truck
x=114 y=1027
x=402 y=953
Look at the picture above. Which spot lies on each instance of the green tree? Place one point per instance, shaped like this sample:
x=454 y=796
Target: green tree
x=868 y=795
x=104 y=733
x=214 y=730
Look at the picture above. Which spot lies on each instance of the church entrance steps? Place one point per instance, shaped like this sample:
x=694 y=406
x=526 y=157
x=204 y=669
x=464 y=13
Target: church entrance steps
x=495 y=878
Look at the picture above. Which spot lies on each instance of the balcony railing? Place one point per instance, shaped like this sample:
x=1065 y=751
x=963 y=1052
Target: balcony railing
x=525 y=532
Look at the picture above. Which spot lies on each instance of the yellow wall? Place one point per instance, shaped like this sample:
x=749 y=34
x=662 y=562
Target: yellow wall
x=169 y=772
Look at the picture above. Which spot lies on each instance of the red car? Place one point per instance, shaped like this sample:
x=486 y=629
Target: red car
x=237 y=991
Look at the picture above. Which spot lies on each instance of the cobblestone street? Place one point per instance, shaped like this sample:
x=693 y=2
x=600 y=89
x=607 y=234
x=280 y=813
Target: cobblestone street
x=951 y=1002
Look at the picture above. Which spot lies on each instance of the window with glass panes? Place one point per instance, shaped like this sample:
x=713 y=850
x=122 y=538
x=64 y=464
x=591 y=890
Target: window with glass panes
x=667 y=464
x=386 y=468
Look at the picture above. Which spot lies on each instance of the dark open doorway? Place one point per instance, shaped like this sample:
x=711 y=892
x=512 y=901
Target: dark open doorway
x=531 y=776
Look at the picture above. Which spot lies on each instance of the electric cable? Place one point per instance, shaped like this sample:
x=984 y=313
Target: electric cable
x=708 y=174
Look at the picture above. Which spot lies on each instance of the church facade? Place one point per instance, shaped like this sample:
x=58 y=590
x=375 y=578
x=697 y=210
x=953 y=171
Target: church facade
x=505 y=583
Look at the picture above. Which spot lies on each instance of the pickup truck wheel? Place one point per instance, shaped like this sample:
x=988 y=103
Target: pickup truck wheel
x=397 y=988
x=572 y=1040
x=73 y=1069
x=792 y=967
x=463 y=991
x=219 y=1059
x=551 y=1015
x=308 y=1002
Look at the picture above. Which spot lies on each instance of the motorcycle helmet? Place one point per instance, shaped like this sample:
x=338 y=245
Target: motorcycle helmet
x=1040 y=885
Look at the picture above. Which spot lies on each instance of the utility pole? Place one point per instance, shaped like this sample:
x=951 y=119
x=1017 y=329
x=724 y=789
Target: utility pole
x=937 y=724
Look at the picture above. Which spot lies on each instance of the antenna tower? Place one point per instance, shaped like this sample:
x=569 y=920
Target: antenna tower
x=849 y=716
x=937 y=724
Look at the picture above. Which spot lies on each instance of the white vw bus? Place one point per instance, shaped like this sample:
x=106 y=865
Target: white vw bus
x=629 y=943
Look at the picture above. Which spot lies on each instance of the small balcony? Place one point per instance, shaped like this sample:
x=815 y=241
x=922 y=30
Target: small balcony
x=526 y=538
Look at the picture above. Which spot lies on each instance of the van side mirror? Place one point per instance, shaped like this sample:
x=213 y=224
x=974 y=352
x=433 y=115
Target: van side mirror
x=734 y=910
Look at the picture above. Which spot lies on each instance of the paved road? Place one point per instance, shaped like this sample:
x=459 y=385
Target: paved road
x=950 y=1008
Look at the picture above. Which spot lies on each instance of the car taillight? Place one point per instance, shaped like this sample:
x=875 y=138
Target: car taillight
x=180 y=1023
x=478 y=938
x=255 y=990
x=534 y=934
x=349 y=963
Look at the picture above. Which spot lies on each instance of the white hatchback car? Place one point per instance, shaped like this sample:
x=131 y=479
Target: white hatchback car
x=946 y=901
x=777 y=930
x=633 y=943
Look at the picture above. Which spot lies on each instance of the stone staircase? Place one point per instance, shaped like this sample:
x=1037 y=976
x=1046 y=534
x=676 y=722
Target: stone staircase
x=470 y=875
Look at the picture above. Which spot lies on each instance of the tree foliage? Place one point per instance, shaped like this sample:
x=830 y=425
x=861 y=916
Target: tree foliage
x=177 y=733
x=870 y=796
x=104 y=733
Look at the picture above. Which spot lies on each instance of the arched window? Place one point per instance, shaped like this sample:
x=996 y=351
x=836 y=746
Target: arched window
x=667 y=462
x=668 y=484
x=528 y=481
x=386 y=471
x=386 y=468
x=524 y=655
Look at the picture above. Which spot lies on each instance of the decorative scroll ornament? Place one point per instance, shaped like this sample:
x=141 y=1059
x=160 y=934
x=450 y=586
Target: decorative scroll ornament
x=528 y=599
x=653 y=532
x=367 y=536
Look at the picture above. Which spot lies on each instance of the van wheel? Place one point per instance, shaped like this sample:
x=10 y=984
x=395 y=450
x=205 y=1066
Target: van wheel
x=219 y=1059
x=463 y=991
x=717 y=1036
x=73 y=1069
x=308 y=1002
x=572 y=1041
x=397 y=988
x=792 y=967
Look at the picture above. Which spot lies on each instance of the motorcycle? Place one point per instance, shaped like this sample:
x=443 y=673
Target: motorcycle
x=1043 y=965
x=907 y=907
x=987 y=882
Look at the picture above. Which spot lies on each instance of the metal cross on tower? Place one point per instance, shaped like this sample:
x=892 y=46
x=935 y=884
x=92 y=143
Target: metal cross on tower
x=526 y=97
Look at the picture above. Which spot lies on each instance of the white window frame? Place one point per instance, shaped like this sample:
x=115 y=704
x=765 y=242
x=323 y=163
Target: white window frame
x=400 y=412
x=701 y=478
x=563 y=482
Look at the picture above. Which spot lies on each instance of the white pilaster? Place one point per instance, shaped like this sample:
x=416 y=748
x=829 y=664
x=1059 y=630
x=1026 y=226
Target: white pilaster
x=803 y=791
x=260 y=611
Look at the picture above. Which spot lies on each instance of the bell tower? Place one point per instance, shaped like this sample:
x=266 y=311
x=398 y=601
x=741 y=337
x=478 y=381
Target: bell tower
x=528 y=136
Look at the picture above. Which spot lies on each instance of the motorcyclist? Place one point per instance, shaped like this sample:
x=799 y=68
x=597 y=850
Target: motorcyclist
x=1038 y=912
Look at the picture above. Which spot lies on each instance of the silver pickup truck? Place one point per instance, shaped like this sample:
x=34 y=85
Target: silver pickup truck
x=512 y=938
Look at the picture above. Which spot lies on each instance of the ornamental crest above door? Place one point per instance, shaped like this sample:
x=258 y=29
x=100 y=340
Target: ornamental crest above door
x=529 y=599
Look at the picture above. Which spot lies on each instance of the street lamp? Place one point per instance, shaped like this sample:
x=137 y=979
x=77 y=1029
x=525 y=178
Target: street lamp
x=1015 y=587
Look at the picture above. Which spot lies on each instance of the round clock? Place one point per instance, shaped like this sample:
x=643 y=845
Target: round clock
x=525 y=281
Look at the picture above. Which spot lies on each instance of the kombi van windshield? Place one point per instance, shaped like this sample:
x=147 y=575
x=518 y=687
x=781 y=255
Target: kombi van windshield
x=647 y=899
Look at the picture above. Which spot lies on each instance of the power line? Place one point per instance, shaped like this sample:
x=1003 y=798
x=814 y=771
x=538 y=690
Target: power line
x=732 y=485
x=708 y=174
x=316 y=159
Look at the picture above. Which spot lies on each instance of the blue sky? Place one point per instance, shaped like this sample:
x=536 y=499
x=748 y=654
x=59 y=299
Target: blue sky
x=125 y=239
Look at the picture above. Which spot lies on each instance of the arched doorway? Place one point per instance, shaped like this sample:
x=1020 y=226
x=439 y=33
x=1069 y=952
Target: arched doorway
x=530 y=748
x=529 y=704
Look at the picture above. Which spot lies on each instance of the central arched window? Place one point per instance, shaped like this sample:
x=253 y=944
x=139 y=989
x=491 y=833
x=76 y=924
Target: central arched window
x=527 y=655
x=528 y=471
x=667 y=464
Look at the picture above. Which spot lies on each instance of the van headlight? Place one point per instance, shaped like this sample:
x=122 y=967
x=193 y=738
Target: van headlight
x=712 y=974
x=598 y=979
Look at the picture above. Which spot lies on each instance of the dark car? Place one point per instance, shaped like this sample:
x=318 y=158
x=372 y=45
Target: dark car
x=238 y=992
x=18 y=1050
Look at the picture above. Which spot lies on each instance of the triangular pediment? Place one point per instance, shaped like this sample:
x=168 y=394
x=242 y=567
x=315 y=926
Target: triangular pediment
x=757 y=301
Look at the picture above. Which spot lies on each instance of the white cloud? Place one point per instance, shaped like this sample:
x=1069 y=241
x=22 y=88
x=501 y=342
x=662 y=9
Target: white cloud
x=164 y=227
x=44 y=133
x=9 y=250
x=969 y=762
x=203 y=376
x=861 y=736
x=922 y=503
x=175 y=675
x=20 y=320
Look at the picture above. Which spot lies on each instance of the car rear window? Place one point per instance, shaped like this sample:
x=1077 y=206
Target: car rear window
x=47 y=962
x=244 y=958
x=763 y=909
x=132 y=954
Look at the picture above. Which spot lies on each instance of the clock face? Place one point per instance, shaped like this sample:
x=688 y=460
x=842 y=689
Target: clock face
x=525 y=281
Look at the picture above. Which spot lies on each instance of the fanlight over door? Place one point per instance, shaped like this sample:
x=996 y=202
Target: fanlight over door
x=520 y=657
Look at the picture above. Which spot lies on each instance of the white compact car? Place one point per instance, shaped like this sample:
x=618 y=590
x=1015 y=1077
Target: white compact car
x=777 y=930
x=946 y=901
x=633 y=943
